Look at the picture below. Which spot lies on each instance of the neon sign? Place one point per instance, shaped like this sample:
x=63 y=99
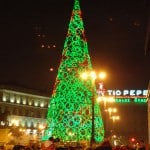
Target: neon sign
x=130 y=100
x=127 y=92
x=140 y=100
x=122 y=100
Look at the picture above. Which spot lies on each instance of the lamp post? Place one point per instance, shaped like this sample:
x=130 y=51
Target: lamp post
x=93 y=76
x=111 y=110
x=105 y=100
x=114 y=118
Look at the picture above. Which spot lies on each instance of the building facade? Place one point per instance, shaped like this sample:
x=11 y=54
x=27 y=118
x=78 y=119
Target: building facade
x=23 y=109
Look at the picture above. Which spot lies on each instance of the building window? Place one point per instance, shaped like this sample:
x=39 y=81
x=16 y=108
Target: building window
x=29 y=101
x=42 y=104
x=18 y=99
x=6 y=97
x=12 y=98
x=36 y=103
x=24 y=100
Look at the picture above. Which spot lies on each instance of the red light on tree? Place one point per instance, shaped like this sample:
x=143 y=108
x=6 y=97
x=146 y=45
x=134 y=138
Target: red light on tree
x=132 y=139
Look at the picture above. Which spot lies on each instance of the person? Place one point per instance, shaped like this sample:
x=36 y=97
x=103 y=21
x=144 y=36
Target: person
x=141 y=145
x=105 y=145
x=49 y=145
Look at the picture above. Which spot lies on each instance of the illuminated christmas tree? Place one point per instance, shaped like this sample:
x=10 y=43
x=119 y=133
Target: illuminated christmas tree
x=70 y=109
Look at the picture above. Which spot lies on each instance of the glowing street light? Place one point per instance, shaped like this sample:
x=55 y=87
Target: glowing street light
x=93 y=75
x=102 y=75
x=111 y=110
x=114 y=118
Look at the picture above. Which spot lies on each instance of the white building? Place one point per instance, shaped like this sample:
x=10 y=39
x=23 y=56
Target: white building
x=25 y=110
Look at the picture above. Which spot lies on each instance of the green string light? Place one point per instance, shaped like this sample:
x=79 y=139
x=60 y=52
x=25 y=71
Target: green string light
x=70 y=109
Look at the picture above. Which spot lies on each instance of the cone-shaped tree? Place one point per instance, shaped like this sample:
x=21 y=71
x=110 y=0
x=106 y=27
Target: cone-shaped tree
x=70 y=109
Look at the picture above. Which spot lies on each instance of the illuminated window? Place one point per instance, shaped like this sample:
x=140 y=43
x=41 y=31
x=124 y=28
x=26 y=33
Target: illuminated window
x=12 y=100
x=30 y=103
x=29 y=124
x=24 y=102
x=22 y=123
x=36 y=103
x=4 y=98
x=42 y=104
x=17 y=99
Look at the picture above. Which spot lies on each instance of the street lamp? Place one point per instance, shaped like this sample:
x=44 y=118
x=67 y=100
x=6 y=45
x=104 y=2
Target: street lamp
x=111 y=110
x=114 y=118
x=93 y=76
x=105 y=100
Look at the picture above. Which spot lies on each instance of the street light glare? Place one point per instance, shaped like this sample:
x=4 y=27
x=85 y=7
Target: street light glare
x=93 y=75
x=115 y=118
x=102 y=75
x=84 y=75
x=110 y=110
x=114 y=110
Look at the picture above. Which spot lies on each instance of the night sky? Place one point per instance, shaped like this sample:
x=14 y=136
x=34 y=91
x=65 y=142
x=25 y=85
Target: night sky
x=32 y=35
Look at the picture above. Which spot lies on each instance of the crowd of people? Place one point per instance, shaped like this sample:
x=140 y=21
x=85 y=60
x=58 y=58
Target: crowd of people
x=105 y=145
x=52 y=144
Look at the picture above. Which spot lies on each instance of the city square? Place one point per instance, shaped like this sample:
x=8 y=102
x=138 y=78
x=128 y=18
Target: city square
x=75 y=103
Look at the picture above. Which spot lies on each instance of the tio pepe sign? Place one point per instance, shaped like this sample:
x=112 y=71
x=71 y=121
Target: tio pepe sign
x=127 y=92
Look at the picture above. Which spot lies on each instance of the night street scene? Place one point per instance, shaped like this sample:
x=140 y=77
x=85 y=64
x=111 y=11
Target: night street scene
x=75 y=75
